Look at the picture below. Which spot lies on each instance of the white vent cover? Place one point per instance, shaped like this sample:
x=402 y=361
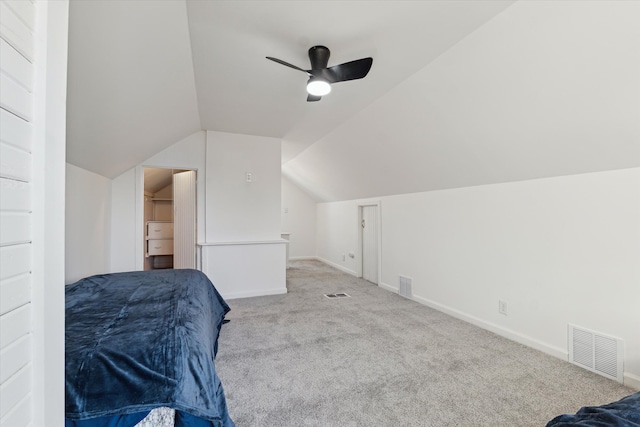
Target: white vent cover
x=404 y=289
x=596 y=352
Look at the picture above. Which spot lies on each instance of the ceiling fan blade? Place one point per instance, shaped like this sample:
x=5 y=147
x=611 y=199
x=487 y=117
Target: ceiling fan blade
x=280 y=61
x=313 y=98
x=349 y=70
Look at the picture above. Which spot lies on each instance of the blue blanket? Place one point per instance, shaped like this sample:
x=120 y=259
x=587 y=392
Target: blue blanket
x=622 y=413
x=141 y=340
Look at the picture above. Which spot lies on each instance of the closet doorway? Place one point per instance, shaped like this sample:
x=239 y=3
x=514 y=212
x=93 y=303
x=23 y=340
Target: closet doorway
x=169 y=218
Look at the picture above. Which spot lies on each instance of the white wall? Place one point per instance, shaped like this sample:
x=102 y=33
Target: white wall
x=230 y=210
x=337 y=234
x=298 y=217
x=238 y=210
x=246 y=269
x=557 y=250
x=244 y=254
x=123 y=242
x=127 y=200
x=188 y=153
x=87 y=224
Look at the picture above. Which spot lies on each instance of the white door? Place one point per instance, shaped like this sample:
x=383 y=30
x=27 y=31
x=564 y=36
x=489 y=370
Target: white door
x=184 y=219
x=369 y=224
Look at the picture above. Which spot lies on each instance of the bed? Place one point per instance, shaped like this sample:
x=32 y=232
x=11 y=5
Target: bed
x=622 y=413
x=143 y=340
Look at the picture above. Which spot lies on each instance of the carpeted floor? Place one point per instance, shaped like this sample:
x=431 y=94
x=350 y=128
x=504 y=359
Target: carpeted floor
x=377 y=359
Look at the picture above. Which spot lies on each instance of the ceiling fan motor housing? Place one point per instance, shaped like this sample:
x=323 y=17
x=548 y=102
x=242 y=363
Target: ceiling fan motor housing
x=319 y=57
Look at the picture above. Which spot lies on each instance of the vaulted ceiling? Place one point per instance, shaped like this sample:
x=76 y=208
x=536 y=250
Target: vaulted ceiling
x=145 y=74
x=461 y=93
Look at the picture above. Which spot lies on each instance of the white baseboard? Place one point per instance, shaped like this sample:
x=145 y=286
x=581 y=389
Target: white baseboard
x=505 y=332
x=338 y=266
x=303 y=258
x=499 y=330
x=388 y=287
x=248 y=294
x=632 y=381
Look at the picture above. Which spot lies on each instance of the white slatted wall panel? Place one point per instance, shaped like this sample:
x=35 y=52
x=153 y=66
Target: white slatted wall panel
x=17 y=25
x=184 y=220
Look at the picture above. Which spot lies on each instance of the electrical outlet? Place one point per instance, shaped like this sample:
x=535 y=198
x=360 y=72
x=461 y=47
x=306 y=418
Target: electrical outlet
x=249 y=177
x=502 y=307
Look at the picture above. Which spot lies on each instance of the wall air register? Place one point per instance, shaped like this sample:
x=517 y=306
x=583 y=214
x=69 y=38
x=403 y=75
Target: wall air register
x=596 y=352
x=405 y=287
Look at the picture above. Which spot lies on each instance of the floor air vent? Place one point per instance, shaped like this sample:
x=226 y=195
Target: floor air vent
x=404 y=290
x=340 y=295
x=596 y=352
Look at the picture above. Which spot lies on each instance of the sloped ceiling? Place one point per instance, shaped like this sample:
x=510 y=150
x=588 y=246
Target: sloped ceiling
x=145 y=74
x=545 y=89
x=461 y=93
x=131 y=90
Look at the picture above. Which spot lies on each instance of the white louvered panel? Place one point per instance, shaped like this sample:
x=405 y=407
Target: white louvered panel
x=405 y=287
x=15 y=195
x=15 y=98
x=15 y=292
x=597 y=352
x=15 y=325
x=605 y=355
x=16 y=66
x=24 y=10
x=20 y=415
x=14 y=163
x=14 y=260
x=15 y=228
x=184 y=201
x=583 y=348
x=14 y=390
x=14 y=357
x=15 y=131
x=15 y=31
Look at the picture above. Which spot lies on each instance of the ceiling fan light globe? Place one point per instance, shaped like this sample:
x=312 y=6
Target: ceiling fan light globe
x=318 y=87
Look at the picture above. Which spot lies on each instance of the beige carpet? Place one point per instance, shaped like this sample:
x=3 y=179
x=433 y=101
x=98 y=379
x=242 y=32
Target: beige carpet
x=377 y=359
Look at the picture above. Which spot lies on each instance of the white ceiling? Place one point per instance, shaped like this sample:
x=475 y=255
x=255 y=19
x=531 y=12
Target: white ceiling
x=131 y=90
x=461 y=93
x=545 y=89
x=145 y=74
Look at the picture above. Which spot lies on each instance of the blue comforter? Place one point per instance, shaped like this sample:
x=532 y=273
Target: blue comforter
x=622 y=413
x=141 y=340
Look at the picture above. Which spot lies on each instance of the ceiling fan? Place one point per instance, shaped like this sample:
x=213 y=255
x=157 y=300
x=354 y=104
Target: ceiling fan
x=321 y=77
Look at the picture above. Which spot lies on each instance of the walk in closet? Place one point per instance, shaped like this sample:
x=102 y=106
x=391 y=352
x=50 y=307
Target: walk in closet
x=169 y=218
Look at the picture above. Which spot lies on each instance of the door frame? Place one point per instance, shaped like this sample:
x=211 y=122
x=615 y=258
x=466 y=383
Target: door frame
x=139 y=210
x=359 y=255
